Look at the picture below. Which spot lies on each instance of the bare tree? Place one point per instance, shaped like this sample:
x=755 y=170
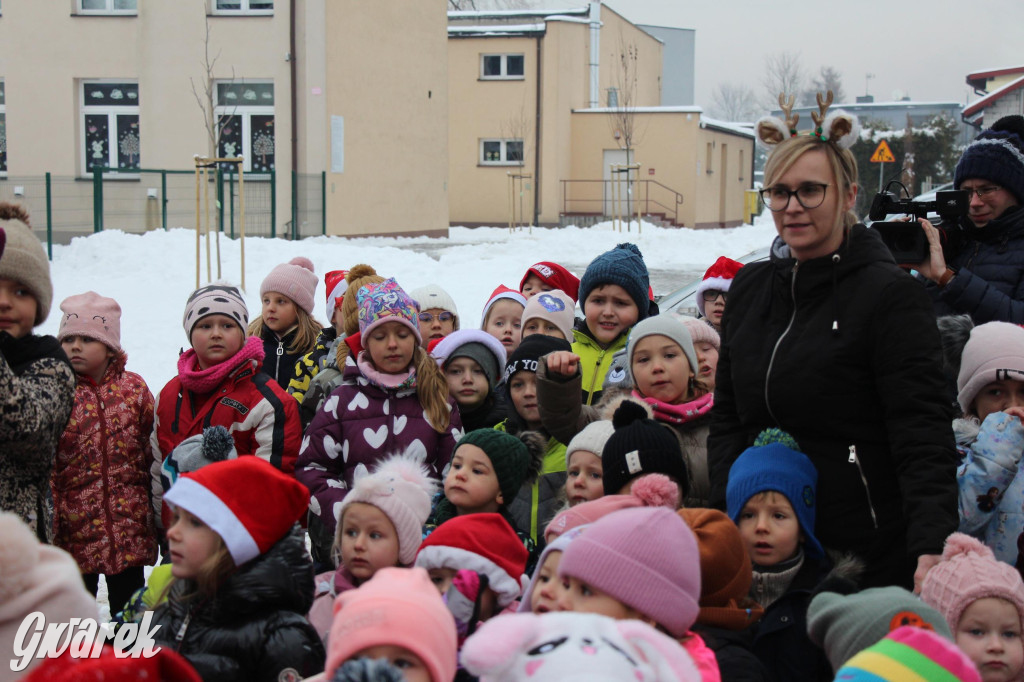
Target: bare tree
x=827 y=79
x=782 y=74
x=733 y=102
x=622 y=117
x=206 y=94
x=517 y=126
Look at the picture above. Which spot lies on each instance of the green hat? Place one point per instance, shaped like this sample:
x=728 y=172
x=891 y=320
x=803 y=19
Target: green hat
x=514 y=458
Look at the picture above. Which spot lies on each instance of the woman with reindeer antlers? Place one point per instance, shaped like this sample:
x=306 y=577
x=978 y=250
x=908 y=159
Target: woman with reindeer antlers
x=832 y=342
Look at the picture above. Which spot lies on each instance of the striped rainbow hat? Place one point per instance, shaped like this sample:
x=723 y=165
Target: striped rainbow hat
x=910 y=654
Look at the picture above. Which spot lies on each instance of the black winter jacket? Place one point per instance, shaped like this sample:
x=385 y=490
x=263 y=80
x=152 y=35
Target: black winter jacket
x=989 y=284
x=255 y=628
x=732 y=649
x=279 y=363
x=843 y=353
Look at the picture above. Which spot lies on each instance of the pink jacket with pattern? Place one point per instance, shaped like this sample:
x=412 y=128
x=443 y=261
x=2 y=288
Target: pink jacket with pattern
x=361 y=422
x=100 y=480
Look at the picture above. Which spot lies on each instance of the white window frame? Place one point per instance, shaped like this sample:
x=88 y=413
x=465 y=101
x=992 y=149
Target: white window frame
x=108 y=10
x=243 y=113
x=84 y=109
x=243 y=10
x=504 y=152
x=504 y=75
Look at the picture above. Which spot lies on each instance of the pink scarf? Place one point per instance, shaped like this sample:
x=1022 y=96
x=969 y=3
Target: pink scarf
x=395 y=382
x=682 y=413
x=206 y=380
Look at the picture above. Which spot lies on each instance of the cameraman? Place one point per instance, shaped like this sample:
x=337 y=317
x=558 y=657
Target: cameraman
x=984 y=278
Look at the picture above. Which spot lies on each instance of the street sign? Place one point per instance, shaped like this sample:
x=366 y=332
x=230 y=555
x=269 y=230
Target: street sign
x=883 y=154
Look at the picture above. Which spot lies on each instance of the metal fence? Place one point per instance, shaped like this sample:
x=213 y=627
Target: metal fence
x=63 y=207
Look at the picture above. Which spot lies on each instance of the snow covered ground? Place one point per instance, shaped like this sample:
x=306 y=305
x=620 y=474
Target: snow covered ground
x=152 y=274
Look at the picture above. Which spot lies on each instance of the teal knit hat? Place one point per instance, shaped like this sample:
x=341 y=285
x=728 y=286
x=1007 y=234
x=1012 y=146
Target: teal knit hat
x=514 y=458
x=624 y=265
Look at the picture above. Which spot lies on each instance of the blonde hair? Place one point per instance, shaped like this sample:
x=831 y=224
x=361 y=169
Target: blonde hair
x=432 y=390
x=841 y=161
x=307 y=331
x=214 y=571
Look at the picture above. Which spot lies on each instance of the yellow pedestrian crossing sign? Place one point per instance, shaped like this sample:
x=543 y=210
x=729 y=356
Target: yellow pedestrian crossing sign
x=883 y=154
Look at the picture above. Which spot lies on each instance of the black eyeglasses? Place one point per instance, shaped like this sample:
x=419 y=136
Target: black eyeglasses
x=710 y=295
x=443 y=317
x=982 y=192
x=809 y=195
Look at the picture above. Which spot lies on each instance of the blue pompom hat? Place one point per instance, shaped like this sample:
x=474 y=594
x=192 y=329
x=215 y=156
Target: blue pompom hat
x=773 y=464
x=624 y=265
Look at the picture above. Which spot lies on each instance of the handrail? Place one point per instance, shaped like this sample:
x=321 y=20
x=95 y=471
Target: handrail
x=642 y=194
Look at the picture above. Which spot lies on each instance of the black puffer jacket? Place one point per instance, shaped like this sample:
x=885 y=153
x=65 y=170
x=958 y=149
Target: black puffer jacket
x=255 y=628
x=989 y=284
x=843 y=353
x=279 y=362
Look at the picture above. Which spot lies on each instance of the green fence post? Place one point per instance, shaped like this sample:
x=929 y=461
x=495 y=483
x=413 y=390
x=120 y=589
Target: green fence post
x=273 y=203
x=49 y=220
x=163 y=198
x=220 y=199
x=231 y=200
x=97 y=199
x=323 y=202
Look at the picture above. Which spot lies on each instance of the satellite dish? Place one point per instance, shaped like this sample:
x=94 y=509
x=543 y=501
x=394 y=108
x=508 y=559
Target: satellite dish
x=897 y=95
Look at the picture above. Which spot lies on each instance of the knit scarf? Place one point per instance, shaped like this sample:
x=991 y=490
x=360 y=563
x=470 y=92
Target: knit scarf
x=394 y=382
x=681 y=413
x=206 y=380
x=771 y=582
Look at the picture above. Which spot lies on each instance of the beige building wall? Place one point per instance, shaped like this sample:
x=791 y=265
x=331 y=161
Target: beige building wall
x=675 y=148
x=387 y=70
x=626 y=49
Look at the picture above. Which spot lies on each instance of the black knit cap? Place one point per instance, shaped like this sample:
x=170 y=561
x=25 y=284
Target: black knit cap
x=532 y=349
x=638 y=446
x=997 y=155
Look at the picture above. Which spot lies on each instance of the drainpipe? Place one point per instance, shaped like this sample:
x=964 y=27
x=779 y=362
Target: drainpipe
x=294 y=92
x=595 y=54
x=536 y=141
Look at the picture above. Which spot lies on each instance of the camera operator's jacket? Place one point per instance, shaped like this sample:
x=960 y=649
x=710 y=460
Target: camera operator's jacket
x=843 y=353
x=989 y=284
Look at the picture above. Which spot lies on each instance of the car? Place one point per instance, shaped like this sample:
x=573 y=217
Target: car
x=683 y=301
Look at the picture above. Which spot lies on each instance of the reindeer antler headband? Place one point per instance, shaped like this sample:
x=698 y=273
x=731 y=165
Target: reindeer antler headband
x=837 y=127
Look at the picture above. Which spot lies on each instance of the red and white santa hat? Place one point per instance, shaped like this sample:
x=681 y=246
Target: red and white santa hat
x=336 y=286
x=501 y=292
x=719 y=277
x=484 y=543
x=248 y=502
x=555 y=276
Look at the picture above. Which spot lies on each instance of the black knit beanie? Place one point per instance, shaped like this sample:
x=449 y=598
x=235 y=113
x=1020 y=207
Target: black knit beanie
x=638 y=446
x=530 y=351
x=997 y=155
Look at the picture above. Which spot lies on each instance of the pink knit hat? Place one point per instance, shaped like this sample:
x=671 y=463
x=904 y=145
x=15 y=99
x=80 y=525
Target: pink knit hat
x=397 y=607
x=652 y=490
x=92 y=316
x=556 y=307
x=701 y=331
x=295 y=279
x=992 y=348
x=968 y=572
x=646 y=558
x=401 y=487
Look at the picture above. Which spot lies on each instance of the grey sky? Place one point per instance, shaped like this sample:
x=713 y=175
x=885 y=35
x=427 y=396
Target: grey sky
x=943 y=40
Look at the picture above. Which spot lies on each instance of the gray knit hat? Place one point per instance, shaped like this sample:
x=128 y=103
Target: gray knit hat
x=24 y=259
x=591 y=439
x=664 y=325
x=994 y=351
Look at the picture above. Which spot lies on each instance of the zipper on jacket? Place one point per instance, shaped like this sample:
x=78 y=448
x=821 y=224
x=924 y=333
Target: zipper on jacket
x=590 y=391
x=771 y=361
x=277 y=362
x=853 y=459
x=180 y=635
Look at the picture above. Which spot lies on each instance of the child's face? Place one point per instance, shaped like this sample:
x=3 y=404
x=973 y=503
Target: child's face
x=537 y=325
x=707 y=358
x=216 y=338
x=714 y=310
x=391 y=346
x=548 y=589
x=192 y=543
x=471 y=484
x=442 y=578
x=989 y=633
x=661 y=370
x=338 y=321
x=435 y=324
x=17 y=308
x=88 y=356
x=467 y=382
x=533 y=286
x=769 y=528
x=279 y=312
x=580 y=597
x=523 y=390
x=999 y=396
x=368 y=541
x=412 y=666
x=585 y=477
x=609 y=311
x=504 y=322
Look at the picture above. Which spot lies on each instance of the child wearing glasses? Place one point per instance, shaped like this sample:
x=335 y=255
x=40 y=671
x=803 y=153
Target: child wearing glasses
x=438 y=315
x=990 y=437
x=714 y=289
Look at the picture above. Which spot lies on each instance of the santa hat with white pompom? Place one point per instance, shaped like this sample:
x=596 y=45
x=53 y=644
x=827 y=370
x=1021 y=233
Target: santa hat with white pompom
x=401 y=487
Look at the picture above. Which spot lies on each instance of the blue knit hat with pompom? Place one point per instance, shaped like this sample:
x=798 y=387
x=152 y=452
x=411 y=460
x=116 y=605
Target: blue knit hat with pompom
x=996 y=155
x=624 y=265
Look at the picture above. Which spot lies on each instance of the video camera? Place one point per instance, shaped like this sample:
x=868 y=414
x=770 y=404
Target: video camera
x=906 y=240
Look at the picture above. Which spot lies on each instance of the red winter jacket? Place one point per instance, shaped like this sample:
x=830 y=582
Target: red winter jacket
x=100 y=479
x=261 y=416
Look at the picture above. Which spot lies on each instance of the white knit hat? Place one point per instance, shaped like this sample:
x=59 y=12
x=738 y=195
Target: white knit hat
x=591 y=439
x=994 y=348
x=433 y=296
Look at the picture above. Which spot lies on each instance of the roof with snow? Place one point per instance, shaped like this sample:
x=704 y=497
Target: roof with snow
x=979 y=79
x=514 y=22
x=988 y=100
x=741 y=129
